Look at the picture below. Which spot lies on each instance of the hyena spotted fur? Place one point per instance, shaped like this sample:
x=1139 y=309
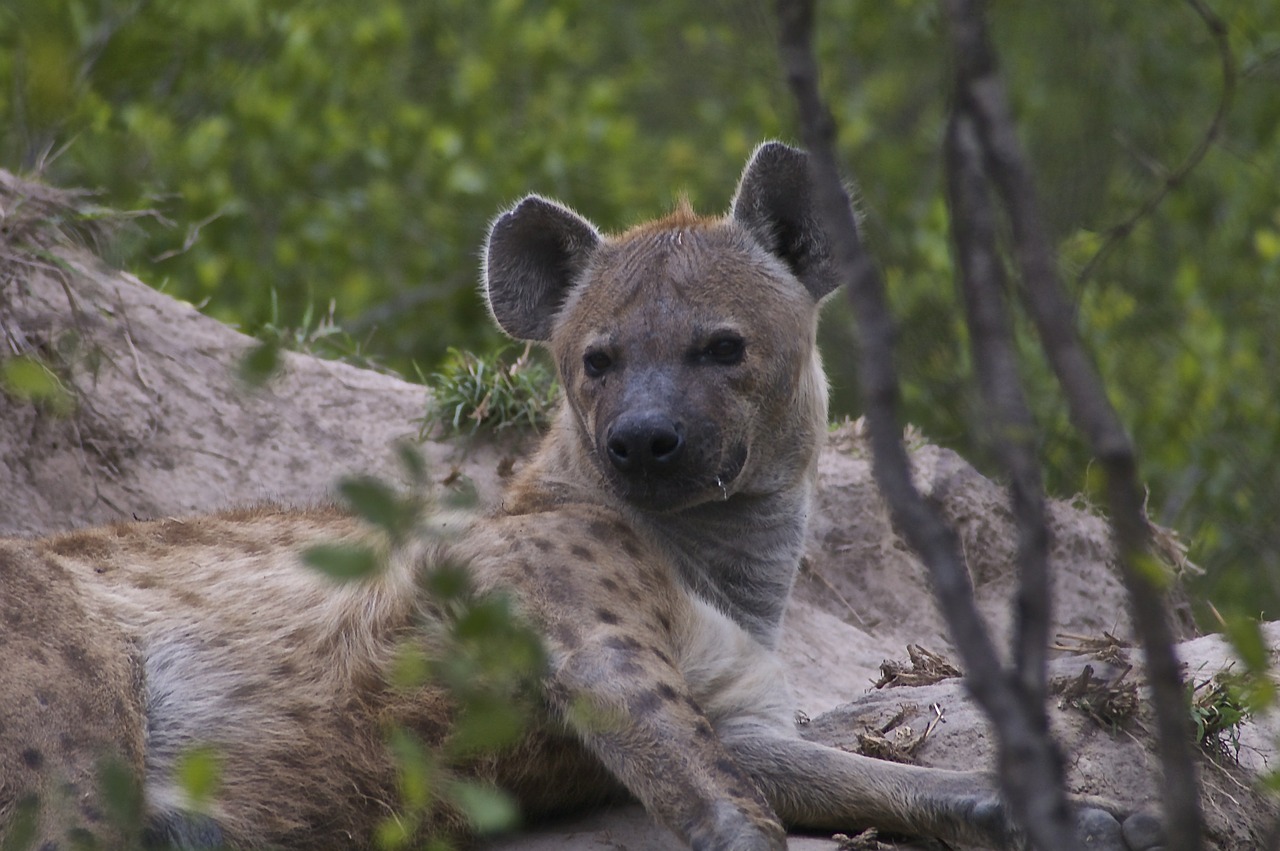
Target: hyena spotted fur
x=652 y=541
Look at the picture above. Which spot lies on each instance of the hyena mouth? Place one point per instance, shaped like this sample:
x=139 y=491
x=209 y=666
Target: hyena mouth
x=692 y=484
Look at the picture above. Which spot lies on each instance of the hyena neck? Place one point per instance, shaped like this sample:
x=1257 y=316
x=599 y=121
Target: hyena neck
x=740 y=555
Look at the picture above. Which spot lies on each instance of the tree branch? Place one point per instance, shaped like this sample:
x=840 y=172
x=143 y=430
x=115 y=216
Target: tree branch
x=1012 y=432
x=982 y=91
x=1030 y=768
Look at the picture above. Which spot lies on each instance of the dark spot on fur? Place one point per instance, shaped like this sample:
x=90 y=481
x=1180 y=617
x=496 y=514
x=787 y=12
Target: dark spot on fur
x=627 y=667
x=622 y=642
x=566 y=637
x=299 y=714
x=662 y=657
x=579 y=551
x=703 y=730
x=76 y=659
x=664 y=621
x=729 y=767
x=629 y=547
x=644 y=703
x=600 y=530
x=526 y=568
x=32 y=758
x=284 y=670
x=606 y=616
x=633 y=595
x=666 y=692
x=542 y=544
x=245 y=690
x=608 y=583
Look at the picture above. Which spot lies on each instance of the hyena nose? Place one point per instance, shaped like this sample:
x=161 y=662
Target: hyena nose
x=645 y=441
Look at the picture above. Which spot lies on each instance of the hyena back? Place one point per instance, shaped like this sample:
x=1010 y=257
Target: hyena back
x=652 y=541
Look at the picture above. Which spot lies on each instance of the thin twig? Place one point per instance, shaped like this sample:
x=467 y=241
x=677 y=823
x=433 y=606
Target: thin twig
x=1090 y=409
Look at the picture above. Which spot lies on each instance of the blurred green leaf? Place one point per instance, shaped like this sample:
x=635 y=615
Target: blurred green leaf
x=489 y=810
x=199 y=773
x=1245 y=635
x=377 y=503
x=121 y=792
x=260 y=363
x=28 y=378
x=20 y=834
x=486 y=724
x=343 y=562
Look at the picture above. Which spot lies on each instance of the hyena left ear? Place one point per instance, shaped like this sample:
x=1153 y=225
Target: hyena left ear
x=534 y=255
x=774 y=202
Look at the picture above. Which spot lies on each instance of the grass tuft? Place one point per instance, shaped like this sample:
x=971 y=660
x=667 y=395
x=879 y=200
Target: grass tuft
x=473 y=391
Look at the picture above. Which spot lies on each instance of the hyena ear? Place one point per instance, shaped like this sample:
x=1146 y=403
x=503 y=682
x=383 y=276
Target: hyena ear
x=533 y=256
x=775 y=203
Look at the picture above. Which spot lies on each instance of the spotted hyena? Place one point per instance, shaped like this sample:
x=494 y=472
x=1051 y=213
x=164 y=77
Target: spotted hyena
x=652 y=542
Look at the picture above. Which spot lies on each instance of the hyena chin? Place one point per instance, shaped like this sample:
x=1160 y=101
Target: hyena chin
x=651 y=541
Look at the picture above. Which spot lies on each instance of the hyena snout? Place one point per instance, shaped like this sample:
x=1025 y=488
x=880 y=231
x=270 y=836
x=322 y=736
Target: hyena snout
x=644 y=442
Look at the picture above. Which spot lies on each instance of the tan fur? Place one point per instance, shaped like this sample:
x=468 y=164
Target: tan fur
x=651 y=541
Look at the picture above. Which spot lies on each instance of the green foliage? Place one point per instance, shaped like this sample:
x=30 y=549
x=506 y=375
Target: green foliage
x=354 y=153
x=1219 y=705
x=490 y=393
x=474 y=647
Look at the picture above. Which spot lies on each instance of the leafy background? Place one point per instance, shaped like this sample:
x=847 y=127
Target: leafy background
x=302 y=154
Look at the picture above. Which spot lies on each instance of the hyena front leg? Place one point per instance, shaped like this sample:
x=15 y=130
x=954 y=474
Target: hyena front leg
x=641 y=723
x=818 y=787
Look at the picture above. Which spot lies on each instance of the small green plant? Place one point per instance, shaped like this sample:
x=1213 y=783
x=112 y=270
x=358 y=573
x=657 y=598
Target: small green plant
x=1219 y=705
x=317 y=334
x=473 y=391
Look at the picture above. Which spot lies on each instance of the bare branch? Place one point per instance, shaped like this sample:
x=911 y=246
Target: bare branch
x=1012 y=432
x=983 y=92
x=1031 y=769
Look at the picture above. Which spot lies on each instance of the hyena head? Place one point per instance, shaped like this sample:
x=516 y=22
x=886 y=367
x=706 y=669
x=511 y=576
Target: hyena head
x=685 y=346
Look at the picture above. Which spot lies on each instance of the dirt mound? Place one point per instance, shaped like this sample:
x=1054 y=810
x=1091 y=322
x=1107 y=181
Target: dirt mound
x=163 y=426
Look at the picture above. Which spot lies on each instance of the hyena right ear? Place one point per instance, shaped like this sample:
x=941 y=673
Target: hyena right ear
x=775 y=203
x=533 y=256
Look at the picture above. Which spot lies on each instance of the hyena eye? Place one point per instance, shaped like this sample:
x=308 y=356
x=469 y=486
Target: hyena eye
x=596 y=363
x=726 y=349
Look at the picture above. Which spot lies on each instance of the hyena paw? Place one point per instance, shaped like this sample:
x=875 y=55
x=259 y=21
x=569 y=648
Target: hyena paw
x=1098 y=828
x=731 y=829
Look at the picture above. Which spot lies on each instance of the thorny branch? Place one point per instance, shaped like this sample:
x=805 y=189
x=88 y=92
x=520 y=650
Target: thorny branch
x=981 y=98
x=1031 y=767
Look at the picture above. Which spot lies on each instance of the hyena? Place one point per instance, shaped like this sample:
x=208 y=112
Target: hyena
x=652 y=542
